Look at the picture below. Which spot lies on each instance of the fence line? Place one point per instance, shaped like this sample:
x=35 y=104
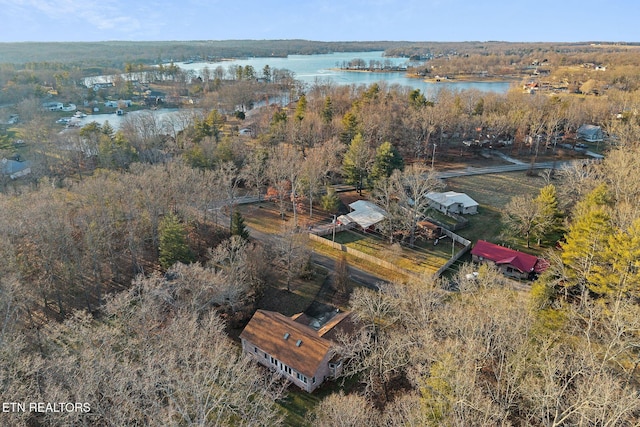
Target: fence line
x=390 y=266
x=361 y=255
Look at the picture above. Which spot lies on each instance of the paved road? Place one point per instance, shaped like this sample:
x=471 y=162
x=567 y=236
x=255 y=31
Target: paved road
x=503 y=168
x=362 y=277
x=369 y=280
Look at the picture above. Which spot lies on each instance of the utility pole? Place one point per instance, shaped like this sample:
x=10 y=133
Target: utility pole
x=334 y=229
x=433 y=157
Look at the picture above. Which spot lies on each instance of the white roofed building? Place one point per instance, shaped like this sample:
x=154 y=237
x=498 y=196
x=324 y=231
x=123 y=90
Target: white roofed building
x=452 y=202
x=590 y=133
x=364 y=213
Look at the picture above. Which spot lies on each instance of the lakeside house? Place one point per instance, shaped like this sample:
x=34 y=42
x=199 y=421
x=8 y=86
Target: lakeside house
x=58 y=106
x=298 y=348
x=511 y=262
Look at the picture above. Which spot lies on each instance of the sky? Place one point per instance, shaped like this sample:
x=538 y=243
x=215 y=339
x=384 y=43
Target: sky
x=321 y=20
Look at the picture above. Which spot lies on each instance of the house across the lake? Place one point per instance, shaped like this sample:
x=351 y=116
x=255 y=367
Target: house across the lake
x=511 y=262
x=296 y=347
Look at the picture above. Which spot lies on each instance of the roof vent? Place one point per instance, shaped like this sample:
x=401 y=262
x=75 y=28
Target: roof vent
x=298 y=343
x=286 y=336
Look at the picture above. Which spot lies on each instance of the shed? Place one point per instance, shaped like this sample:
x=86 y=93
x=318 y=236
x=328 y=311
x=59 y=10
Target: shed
x=364 y=213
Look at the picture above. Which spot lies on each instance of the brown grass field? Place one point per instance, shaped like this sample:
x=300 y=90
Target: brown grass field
x=492 y=192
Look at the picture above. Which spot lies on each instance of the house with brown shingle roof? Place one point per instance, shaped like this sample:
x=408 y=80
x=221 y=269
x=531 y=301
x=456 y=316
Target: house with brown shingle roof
x=294 y=350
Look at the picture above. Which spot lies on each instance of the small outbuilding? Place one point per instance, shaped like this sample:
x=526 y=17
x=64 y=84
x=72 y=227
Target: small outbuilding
x=363 y=213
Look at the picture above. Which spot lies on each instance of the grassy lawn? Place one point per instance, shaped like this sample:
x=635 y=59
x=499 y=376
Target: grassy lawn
x=262 y=216
x=429 y=258
x=362 y=264
x=303 y=292
x=492 y=192
x=298 y=404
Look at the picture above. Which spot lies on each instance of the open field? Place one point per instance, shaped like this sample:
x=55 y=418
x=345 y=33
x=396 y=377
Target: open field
x=383 y=273
x=419 y=261
x=492 y=192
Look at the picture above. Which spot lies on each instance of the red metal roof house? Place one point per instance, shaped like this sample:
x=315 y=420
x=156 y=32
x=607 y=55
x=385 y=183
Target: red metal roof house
x=511 y=262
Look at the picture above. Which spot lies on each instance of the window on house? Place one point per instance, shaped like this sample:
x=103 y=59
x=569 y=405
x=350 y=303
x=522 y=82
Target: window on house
x=255 y=349
x=313 y=380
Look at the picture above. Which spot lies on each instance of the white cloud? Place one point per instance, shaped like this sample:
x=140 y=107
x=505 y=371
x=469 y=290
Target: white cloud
x=82 y=14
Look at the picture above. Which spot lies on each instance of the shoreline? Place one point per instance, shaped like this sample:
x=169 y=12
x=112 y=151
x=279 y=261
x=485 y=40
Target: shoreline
x=474 y=79
x=462 y=78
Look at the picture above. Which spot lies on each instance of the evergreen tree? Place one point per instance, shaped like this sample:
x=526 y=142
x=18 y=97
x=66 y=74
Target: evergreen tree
x=387 y=160
x=327 y=111
x=548 y=219
x=173 y=245
x=617 y=267
x=587 y=238
x=238 y=228
x=349 y=127
x=357 y=161
x=330 y=201
x=417 y=99
x=301 y=108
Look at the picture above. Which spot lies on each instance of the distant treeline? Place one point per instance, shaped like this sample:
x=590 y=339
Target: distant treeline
x=117 y=53
x=114 y=54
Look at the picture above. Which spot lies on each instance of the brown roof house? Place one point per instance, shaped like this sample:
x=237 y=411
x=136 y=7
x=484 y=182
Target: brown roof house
x=299 y=352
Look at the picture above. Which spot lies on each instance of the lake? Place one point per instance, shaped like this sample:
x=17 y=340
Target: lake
x=323 y=68
x=167 y=118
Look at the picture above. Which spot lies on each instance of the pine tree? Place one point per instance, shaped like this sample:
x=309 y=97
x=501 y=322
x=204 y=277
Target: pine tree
x=173 y=245
x=349 y=127
x=618 y=269
x=387 y=160
x=548 y=219
x=301 y=108
x=327 y=111
x=357 y=161
x=330 y=201
x=238 y=228
x=587 y=237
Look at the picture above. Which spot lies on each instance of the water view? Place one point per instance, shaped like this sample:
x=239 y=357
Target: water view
x=325 y=68
x=169 y=119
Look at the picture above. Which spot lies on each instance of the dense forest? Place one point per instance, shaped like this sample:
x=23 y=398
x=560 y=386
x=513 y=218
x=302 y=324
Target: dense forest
x=126 y=266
